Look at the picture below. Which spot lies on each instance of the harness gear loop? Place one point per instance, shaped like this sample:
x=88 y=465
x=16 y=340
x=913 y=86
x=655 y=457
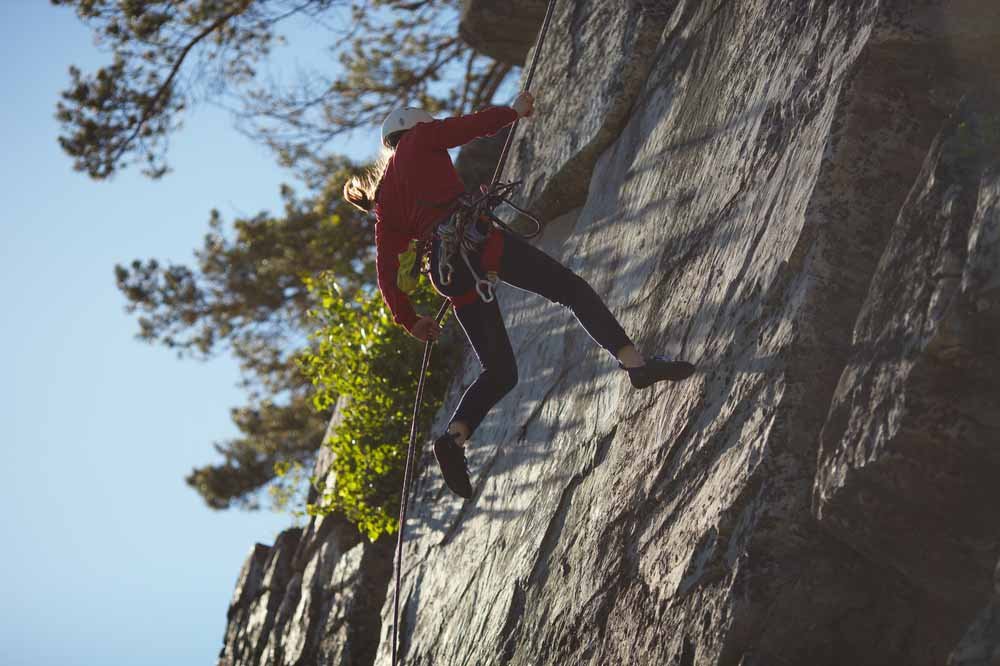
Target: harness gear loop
x=495 y=189
x=447 y=233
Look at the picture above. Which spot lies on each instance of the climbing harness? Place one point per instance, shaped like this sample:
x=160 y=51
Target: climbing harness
x=465 y=232
x=481 y=206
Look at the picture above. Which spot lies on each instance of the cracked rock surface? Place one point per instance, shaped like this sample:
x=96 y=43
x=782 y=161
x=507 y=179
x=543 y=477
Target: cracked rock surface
x=801 y=198
x=907 y=468
x=750 y=162
x=980 y=646
x=313 y=597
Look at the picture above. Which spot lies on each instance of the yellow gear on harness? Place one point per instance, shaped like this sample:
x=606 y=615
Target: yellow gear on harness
x=407 y=279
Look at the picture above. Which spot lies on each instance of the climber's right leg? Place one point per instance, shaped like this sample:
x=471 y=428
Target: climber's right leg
x=526 y=267
x=483 y=325
x=657 y=369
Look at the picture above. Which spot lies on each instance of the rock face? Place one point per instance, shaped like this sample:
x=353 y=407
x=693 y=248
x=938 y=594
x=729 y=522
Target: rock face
x=981 y=644
x=314 y=597
x=910 y=450
x=584 y=97
x=804 y=200
x=502 y=29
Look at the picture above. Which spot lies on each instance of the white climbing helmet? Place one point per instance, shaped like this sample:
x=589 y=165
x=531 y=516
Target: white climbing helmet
x=403 y=119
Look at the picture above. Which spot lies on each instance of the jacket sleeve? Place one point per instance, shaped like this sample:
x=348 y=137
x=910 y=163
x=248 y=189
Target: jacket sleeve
x=387 y=269
x=460 y=130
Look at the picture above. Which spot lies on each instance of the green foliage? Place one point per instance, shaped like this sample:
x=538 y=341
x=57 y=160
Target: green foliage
x=245 y=287
x=128 y=108
x=372 y=366
x=288 y=492
x=272 y=434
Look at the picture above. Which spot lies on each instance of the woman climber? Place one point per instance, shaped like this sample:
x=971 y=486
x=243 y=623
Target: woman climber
x=413 y=192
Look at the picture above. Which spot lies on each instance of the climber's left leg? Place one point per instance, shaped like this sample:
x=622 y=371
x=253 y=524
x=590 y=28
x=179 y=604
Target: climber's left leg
x=483 y=325
x=526 y=267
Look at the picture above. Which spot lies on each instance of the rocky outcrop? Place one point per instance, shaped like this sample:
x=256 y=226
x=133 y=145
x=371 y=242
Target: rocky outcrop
x=502 y=29
x=585 y=96
x=907 y=467
x=309 y=599
x=258 y=611
x=792 y=196
x=736 y=217
x=314 y=597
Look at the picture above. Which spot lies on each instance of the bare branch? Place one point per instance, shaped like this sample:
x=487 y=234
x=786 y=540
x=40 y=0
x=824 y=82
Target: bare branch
x=168 y=82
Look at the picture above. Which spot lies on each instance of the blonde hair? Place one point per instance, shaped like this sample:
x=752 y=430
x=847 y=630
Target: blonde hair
x=360 y=191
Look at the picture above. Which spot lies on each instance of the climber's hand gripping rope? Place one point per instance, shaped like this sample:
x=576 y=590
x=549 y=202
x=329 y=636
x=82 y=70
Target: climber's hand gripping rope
x=426 y=329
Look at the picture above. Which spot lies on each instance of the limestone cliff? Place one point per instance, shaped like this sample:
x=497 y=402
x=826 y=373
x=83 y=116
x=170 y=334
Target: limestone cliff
x=803 y=198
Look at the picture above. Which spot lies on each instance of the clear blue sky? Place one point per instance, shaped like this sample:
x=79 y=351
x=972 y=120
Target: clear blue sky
x=108 y=558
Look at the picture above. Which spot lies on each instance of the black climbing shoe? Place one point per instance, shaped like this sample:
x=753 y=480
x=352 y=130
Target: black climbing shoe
x=657 y=369
x=454 y=469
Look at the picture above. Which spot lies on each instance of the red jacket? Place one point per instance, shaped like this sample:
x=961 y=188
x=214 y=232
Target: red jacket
x=420 y=174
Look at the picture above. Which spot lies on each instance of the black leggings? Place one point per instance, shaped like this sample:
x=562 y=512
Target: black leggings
x=526 y=267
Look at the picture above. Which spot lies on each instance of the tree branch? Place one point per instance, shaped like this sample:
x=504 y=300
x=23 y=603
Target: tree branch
x=147 y=112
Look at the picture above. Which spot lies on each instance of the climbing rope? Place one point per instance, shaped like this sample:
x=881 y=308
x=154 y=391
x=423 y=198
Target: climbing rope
x=408 y=478
x=527 y=86
x=483 y=206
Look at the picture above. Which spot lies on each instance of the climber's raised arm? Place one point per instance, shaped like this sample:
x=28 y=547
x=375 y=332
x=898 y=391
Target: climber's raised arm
x=460 y=130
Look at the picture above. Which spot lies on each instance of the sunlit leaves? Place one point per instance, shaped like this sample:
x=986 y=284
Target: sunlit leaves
x=370 y=365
